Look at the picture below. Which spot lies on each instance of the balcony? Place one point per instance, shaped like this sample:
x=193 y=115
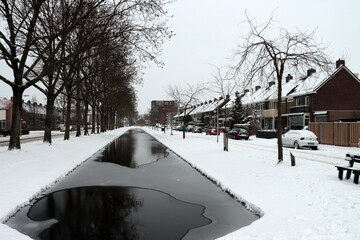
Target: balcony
x=269 y=113
x=300 y=109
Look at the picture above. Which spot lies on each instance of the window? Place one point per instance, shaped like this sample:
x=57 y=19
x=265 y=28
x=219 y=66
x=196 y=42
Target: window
x=261 y=106
x=2 y=124
x=296 y=122
x=321 y=118
x=272 y=105
x=268 y=123
x=302 y=101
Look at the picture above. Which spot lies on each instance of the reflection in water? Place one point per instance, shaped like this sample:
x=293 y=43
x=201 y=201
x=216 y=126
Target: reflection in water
x=121 y=151
x=131 y=151
x=115 y=213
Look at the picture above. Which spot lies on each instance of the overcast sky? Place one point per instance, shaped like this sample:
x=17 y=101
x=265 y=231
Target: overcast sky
x=207 y=32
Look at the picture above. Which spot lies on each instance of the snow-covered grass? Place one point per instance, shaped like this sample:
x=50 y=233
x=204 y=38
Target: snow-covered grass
x=302 y=202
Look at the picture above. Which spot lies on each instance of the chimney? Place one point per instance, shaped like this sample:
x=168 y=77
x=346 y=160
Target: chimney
x=339 y=63
x=310 y=71
x=288 y=78
x=257 y=88
x=271 y=83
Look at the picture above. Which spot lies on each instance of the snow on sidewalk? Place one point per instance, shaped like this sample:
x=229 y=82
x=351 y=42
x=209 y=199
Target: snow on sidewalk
x=25 y=173
x=303 y=202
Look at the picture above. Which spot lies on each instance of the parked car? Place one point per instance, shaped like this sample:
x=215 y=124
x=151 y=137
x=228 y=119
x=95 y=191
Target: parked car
x=212 y=131
x=180 y=128
x=238 y=133
x=71 y=128
x=62 y=128
x=300 y=139
x=190 y=128
x=196 y=129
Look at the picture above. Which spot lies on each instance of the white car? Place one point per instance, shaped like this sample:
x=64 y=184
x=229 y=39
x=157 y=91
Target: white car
x=300 y=138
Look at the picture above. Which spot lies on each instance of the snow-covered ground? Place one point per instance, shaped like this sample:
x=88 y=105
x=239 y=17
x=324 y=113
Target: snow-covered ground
x=25 y=173
x=302 y=202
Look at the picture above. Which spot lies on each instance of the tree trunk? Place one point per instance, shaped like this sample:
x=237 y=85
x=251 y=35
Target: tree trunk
x=49 y=116
x=68 y=117
x=78 y=110
x=86 y=130
x=93 y=118
x=97 y=121
x=14 y=142
x=103 y=122
x=279 y=122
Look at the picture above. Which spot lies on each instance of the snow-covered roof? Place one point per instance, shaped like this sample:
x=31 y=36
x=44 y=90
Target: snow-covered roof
x=39 y=109
x=299 y=86
x=4 y=103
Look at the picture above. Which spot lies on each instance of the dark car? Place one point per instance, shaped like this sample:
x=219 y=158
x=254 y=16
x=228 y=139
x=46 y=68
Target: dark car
x=238 y=133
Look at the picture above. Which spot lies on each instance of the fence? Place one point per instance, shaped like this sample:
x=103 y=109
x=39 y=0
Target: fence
x=339 y=134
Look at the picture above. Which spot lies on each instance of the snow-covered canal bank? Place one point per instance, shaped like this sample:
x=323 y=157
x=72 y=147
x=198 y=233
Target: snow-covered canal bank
x=135 y=189
x=302 y=202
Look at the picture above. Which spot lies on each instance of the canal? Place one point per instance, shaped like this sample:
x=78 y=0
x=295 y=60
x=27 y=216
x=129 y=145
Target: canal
x=135 y=188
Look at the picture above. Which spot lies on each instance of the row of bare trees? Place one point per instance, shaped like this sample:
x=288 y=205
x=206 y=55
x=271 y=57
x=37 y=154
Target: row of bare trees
x=92 y=51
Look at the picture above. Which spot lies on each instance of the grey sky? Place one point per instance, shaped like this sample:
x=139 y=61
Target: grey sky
x=207 y=31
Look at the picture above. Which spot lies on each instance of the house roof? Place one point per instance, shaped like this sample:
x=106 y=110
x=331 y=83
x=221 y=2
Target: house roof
x=295 y=87
x=4 y=103
x=29 y=107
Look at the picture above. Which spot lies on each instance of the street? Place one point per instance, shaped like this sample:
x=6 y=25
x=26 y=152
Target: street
x=33 y=136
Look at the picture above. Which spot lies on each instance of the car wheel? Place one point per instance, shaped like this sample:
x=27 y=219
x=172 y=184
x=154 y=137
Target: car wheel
x=314 y=148
x=296 y=145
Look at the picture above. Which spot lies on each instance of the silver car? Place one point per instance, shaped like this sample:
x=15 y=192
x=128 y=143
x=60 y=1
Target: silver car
x=300 y=139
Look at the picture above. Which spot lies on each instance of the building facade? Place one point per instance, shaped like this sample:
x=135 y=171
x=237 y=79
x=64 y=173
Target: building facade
x=32 y=115
x=163 y=111
x=315 y=97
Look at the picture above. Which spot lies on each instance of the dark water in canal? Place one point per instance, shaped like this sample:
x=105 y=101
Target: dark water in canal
x=134 y=189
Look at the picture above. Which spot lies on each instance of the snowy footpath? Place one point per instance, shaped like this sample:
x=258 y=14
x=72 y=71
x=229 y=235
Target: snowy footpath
x=302 y=202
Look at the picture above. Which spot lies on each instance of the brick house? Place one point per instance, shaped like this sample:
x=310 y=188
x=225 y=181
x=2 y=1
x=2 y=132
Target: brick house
x=207 y=113
x=315 y=97
x=163 y=111
x=5 y=113
x=32 y=115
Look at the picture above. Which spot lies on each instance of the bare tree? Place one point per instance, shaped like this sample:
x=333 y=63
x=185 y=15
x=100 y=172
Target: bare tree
x=224 y=84
x=23 y=34
x=186 y=97
x=262 y=58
